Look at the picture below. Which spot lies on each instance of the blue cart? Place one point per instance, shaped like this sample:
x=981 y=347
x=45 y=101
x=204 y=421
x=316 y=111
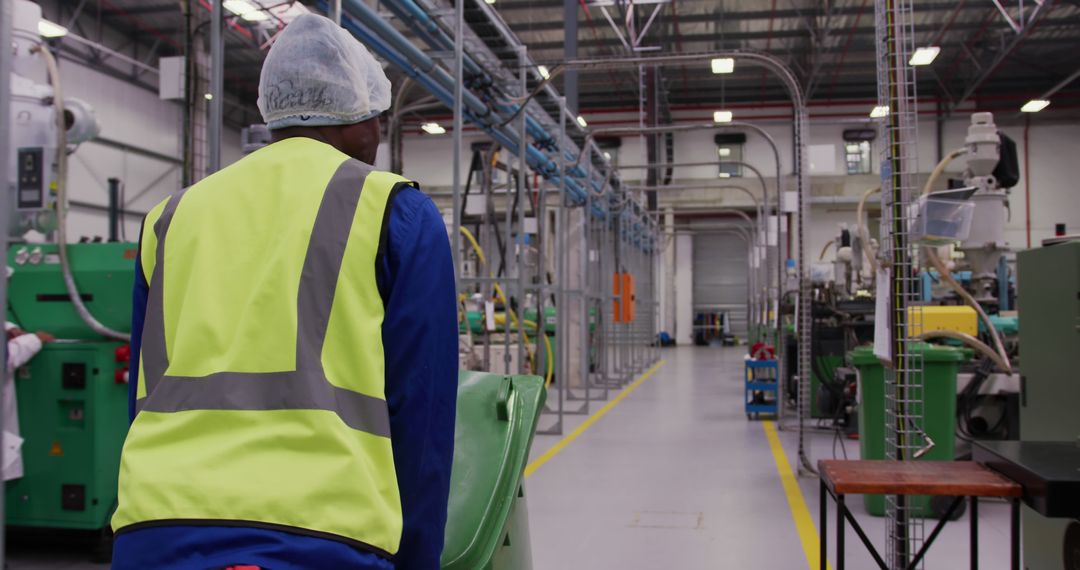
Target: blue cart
x=762 y=388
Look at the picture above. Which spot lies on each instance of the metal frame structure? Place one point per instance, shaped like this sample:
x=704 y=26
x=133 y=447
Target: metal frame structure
x=801 y=130
x=585 y=197
x=904 y=436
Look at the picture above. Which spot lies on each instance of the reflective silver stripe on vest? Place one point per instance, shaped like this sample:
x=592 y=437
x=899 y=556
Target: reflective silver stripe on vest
x=305 y=388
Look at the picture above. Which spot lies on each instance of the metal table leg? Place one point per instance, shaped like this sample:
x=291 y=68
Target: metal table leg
x=823 y=524
x=974 y=513
x=1015 y=531
x=841 y=511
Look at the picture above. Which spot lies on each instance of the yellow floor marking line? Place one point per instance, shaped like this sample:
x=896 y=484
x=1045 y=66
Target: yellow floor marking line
x=808 y=534
x=555 y=449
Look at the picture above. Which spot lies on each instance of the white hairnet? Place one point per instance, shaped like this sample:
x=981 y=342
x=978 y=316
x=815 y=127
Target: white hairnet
x=317 y=74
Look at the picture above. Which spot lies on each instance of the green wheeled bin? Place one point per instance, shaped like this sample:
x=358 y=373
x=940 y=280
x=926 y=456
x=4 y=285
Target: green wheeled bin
x=487 y=525
x=940 y=367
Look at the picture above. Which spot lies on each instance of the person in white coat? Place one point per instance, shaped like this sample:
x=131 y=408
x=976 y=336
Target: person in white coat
x=21 y=347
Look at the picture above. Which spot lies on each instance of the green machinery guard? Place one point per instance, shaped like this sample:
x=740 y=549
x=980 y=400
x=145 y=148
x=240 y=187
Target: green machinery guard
x=73 y=396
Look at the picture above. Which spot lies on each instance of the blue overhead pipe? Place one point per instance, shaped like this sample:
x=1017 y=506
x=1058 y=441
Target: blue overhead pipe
x=387 y=42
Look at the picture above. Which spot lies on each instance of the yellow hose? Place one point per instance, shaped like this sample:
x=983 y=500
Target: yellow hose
x=513 y=315
x=547 y=347
x=947 y=277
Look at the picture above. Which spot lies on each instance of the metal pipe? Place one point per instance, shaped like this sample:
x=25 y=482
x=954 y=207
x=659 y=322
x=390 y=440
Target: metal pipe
x=217 y=86
x=114 y=209
x=335 y=11
x=1072 y=77
x=382 y=38
x=459 y=116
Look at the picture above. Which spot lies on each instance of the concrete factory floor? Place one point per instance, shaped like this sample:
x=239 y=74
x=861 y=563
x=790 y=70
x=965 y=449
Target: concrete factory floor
x=674 y=476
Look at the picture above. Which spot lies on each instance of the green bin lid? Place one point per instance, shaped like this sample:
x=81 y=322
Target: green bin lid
x=496 y=419
x=864 y=355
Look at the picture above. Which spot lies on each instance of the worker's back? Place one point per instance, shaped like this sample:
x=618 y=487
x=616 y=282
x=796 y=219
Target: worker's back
x=261 y=385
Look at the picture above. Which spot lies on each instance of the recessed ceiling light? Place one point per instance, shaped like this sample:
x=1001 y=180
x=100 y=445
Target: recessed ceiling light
x=723 y=65
x=1034 y=106
x=879 y=112
x=433 y=128
x=722 y=117
x=543 y=71
x=924 y=55
x=724 y=175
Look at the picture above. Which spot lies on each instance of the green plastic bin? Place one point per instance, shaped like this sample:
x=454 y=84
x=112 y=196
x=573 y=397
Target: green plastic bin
x=941 y=365
x=487 y=525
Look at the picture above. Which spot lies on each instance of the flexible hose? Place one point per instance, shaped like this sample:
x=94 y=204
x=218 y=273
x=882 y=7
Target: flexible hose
x=864 y=235
x=946 y=275
x=973 y=343
x=825 y=249
x=547 y=346
x=940 y=168
x=62 y=202
x=513 y=315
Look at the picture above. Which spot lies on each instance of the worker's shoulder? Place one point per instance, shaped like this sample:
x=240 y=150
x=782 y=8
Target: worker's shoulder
x=411 y=205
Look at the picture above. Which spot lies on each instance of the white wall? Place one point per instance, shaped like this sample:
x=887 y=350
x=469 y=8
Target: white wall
x=134 y=116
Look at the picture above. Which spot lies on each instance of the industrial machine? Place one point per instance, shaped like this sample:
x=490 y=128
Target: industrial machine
x=72 y=397
x=1045 y=460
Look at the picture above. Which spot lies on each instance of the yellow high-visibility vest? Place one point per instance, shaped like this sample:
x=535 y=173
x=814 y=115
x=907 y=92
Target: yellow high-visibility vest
x=261 y=395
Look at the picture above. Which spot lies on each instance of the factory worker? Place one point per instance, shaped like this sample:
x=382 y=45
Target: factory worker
x=302 y=416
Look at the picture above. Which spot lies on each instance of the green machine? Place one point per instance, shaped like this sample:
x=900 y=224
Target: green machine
x=73 y=396
x=1049 y=303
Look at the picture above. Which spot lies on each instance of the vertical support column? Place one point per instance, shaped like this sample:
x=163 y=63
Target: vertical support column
x=570 y=52
x=459 y=81
x=217 y=85
x=335 y=11
x=116 y=214
x=521 y=244
x=5 y=149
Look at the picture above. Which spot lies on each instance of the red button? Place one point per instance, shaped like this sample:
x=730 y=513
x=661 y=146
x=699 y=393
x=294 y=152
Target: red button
x=121 y=375
x=123 y=353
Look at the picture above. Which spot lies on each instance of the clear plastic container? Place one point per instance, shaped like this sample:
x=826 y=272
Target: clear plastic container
x=941 y=222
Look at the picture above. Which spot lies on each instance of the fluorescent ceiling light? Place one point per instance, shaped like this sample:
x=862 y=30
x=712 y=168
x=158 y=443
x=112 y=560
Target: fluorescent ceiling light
x=879 y=112
x=722 y=117
x=489 y=1
x=581 y=121
x=724 y=151
x=724 y=175
x=239 y=7
x=543 y=71
x=433 y=128
x=924 y=55
x=256 y=16
x=49 y=29
x=1034 y=106
x=723 y=65
x=607 y=155
x=209 y=96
